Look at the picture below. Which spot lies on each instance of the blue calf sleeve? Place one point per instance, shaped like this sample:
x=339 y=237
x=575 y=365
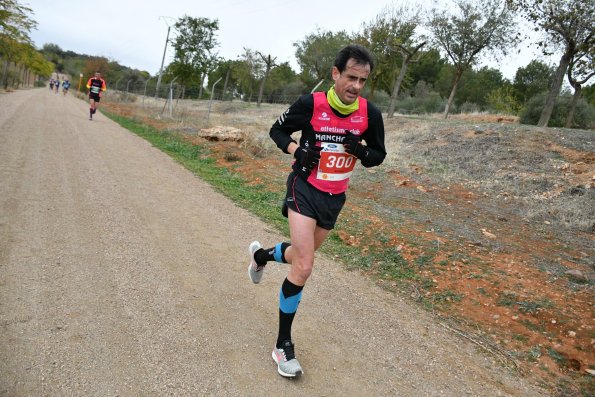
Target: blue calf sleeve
x=289 y=305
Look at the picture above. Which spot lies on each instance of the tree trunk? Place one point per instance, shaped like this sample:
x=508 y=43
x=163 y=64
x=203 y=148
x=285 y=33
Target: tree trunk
x=554 y=89
x=260 y=91
x=262 y=83
x=451 y=98
x=21 y=79
x=397 y=87
x=15 y=75
x=202 y=82
x=572 y=110
x=372 y=90
x=5 y=74
x=225 y=84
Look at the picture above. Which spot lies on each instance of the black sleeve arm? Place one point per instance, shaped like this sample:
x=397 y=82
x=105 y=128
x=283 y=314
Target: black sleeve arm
x=295 y=118
x=374 y=138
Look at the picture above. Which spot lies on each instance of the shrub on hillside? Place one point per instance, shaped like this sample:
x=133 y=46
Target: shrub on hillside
x=584 y=116
x=468 y=107
x=431 y=103
x=502 y=101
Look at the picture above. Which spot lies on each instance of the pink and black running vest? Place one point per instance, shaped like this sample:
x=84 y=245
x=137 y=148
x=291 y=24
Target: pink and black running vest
x=332 y=173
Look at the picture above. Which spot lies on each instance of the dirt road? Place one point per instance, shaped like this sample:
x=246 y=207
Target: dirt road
x=121 y=273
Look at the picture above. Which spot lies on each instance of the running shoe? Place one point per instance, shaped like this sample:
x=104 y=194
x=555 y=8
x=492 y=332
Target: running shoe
x=287 y=364
x=255 y=271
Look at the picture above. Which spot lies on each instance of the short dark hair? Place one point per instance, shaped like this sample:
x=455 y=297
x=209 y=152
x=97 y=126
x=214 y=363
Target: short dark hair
x=359 y=53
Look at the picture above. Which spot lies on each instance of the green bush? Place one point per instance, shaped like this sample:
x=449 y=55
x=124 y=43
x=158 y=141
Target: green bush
x=502 y=101
x=431 y=103
x=469 y=107
x=584 y=116
x=381 y=99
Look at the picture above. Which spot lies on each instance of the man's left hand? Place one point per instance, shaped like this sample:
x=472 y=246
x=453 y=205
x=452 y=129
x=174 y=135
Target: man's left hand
x=354 y=146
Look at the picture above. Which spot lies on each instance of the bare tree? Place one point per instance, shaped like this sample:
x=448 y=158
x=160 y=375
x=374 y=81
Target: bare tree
x=476 y=27
x=408 y=58
x=580 y=70
x=392 y=37
x=270 y=63
x=569 y=24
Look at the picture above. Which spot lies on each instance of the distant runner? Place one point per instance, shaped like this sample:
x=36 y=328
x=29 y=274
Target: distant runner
x=65 y=86
x=96 y=86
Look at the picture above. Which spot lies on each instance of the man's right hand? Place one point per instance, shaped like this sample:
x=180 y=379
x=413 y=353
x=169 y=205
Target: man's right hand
x=308 y=157
x=306 y=160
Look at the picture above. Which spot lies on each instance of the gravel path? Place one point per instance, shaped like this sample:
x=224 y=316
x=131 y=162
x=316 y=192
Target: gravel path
x=121 y=273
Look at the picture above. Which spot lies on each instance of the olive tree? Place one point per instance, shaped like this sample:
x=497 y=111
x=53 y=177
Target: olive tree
x=269 y=64
x=16 y=46
x=580 y=70
x=392 y=38
x=568 y=25
x=316 y=54
x=469 y=30
x=194 y=47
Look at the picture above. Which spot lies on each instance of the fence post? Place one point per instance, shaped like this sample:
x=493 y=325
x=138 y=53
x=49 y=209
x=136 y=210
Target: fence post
x=145 y=91
x=117 y=81
x=171 y=96
x=211 y=100
x=317 y=85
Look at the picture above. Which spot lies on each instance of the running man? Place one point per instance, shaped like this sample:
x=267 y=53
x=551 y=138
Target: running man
x=65 y=86
x=95 y=85
x=333 y=126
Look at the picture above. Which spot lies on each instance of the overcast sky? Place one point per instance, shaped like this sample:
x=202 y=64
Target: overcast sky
x=133 y=32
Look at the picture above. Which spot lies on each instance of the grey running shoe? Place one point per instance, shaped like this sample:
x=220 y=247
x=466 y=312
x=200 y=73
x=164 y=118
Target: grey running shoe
x=287 y=364
x=255 y=271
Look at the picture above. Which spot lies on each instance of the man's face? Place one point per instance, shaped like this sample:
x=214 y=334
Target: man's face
x=350 y=83
x=97 y=75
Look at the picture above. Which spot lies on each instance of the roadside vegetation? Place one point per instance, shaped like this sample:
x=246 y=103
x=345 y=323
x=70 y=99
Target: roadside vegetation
x=486 y=223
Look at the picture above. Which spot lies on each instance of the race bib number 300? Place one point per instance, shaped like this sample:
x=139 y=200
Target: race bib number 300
x=335 y=164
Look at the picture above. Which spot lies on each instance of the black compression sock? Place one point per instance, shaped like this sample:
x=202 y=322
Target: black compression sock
x=276 y=253
x=289 y=299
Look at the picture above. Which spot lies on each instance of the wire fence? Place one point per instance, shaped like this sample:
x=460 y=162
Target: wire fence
x=149 y=88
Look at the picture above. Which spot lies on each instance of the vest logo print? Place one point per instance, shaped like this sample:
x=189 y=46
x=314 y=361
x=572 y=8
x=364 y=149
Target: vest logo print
x=357 y=119
x=324 y=116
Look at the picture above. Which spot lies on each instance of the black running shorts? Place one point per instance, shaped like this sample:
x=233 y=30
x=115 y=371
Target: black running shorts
x=95 y=97
x=305 y=199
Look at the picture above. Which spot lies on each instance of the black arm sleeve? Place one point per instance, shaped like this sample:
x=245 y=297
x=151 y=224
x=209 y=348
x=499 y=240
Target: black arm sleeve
x=295 y=118
x=374 y=138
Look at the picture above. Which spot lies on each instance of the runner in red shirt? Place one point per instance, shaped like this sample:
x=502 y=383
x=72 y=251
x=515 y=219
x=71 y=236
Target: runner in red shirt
x=333 y=126
x=95 y=85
